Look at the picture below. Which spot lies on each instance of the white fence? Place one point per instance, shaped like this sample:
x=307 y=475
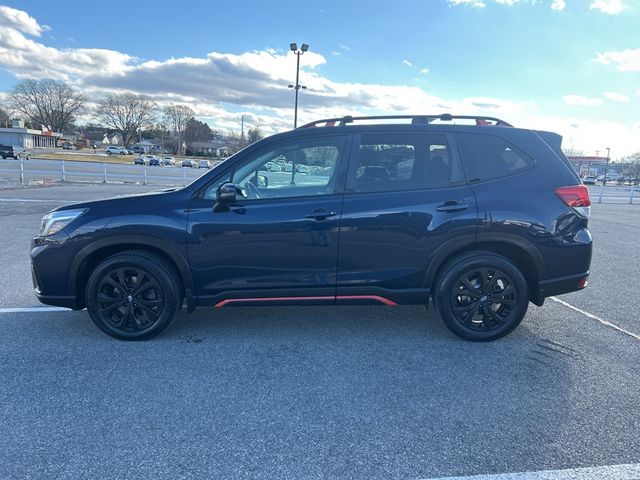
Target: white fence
x=25 y=172
x=614 y=194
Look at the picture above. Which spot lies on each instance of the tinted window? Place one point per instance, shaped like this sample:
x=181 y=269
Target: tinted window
x=392 y=162
x=488 y=156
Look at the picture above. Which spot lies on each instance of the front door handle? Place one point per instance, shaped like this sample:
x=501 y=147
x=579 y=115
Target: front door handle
x=452 y=206
x=321 y=214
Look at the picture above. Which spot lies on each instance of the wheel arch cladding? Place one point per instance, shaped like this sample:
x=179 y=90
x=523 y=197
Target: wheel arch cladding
x=527 y=261
x=89 y=257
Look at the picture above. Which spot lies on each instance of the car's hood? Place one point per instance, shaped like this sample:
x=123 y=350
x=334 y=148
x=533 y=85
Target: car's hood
x=120 y=201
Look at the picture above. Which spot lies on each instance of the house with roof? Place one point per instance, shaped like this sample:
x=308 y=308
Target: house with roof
x=209 y=149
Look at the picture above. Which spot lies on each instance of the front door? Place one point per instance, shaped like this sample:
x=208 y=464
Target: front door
x=405 y=195
x=279 y=240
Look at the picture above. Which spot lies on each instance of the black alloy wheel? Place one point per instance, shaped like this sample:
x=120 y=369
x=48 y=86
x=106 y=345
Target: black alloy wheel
x=482 y=296
x=133 y=295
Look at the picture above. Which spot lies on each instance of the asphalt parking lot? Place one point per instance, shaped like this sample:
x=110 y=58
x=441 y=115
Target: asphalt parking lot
x=318 y=392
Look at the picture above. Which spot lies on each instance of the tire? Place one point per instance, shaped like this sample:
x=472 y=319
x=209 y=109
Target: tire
x=28 y=156
x=122 y=307
x=108 y=152
x=18 y=157
x=121 y=153
x=466 y=307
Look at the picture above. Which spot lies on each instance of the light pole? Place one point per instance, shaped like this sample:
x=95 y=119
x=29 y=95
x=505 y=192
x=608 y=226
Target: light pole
x=606 y=167
x=297 y=86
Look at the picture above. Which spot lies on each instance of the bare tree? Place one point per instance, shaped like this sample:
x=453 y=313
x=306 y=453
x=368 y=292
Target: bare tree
x=178 y=118
x=254 y=134
x=573 y=151
x=127 y=113
x=5 y=117
x=52 y=103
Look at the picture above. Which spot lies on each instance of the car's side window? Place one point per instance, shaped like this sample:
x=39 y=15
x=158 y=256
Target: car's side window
x=486 y=157
x=395 y=162
x=301 y=167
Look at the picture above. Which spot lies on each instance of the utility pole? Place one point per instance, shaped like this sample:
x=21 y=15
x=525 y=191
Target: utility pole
x=242 y=131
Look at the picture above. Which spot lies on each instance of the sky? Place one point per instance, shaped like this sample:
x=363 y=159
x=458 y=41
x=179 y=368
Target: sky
x=569 y=66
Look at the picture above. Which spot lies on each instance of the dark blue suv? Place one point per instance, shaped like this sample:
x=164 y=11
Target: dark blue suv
x=479 y=216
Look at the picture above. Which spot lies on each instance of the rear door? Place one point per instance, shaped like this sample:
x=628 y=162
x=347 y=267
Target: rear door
x=405 y=195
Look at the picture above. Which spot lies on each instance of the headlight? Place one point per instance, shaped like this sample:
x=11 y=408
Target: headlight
x=55 y=221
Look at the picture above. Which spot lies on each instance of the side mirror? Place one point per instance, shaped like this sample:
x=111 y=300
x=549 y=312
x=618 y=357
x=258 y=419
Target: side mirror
x=225 y=196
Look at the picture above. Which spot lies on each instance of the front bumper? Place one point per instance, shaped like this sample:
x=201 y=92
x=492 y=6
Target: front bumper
x=50 y=274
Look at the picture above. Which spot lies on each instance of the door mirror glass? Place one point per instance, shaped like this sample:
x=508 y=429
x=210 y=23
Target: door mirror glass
x=227 y=193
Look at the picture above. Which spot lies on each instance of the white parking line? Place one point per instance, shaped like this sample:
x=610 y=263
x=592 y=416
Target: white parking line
x=33 y=309
x=609 y=472
x=31 y=200
x=595 y=317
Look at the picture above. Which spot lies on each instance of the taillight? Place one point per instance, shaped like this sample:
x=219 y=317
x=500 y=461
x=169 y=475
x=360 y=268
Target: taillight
x=576 y=197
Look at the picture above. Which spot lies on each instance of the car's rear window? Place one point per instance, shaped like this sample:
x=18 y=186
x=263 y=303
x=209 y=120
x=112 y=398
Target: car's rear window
x=486 y=157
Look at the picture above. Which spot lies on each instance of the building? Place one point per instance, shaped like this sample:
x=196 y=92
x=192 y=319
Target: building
x=27 y=137
x=208 y=149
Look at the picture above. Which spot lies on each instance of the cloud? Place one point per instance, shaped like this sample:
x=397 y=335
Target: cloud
x=473 y=3
x=579 y=100
x=407 y=63
x=617 y=97
x=221 y=87
x=424 y=71
x=335 y=53
x=592 y=135
x=344 y=47
x=20 y=21
x=625 y=60
x=611 y=7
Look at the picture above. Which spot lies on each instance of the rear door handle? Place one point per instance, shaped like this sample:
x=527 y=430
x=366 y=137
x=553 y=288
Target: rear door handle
x=321 y=214
x=452 y=206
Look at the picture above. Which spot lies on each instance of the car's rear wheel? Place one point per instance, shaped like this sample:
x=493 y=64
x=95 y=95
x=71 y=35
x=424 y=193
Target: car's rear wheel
x=133 y=295
x=481 y=296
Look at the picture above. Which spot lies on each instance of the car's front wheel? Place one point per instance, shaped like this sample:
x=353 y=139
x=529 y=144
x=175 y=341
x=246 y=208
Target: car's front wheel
x=133 y=295
x=481 y=296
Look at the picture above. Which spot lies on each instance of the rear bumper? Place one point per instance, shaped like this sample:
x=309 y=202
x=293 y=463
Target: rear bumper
x=560 y=285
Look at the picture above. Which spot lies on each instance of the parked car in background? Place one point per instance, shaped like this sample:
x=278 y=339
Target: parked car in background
x=69 y=146
x=204 y=164
x=14 y=151
x=187 y=162
x=168 y=161
x=303 y=169
x=589 y=180
x=139 y=160
x=111 y=150
x=154 y=162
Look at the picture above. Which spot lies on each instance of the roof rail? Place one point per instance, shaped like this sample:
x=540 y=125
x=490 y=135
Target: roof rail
x=415 y=120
